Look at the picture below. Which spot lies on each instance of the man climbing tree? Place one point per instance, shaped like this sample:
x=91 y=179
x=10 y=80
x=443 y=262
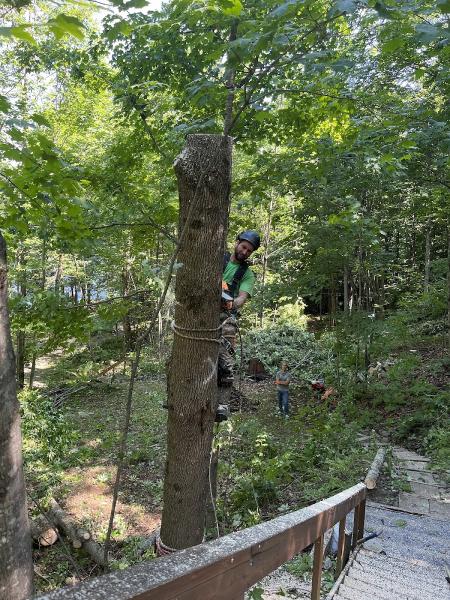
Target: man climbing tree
x=238 y=281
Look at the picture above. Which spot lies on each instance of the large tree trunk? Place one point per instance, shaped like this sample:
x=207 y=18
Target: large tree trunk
x=16 y=572
x=204 y=176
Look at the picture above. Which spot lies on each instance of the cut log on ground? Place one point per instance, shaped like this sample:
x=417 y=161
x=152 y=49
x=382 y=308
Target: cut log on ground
x=42 y=532
x=375 y=468
x=63 y=520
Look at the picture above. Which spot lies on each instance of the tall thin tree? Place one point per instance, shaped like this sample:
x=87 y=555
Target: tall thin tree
x=16 y=566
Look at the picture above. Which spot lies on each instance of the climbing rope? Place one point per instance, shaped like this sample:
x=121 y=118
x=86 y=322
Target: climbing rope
x=176 y=329
x=162 y=549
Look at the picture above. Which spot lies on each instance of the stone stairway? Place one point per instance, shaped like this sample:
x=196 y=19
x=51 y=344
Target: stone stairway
x=408 y=559
x=428 y=495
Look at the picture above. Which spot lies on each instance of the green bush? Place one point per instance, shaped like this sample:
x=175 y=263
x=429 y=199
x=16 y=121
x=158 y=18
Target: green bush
x=429 y=305
x=47 y=437
x=438 y=445
x=289 y=343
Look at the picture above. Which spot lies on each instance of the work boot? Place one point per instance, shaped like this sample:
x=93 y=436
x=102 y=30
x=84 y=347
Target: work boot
x=222 y=413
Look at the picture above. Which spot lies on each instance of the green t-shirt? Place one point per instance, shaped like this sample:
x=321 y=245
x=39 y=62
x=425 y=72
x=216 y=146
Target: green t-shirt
x=247 y=282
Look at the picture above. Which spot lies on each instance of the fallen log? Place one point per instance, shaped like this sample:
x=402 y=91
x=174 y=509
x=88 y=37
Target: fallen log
x=375 y=468
x=42 y=532
x=79 y=540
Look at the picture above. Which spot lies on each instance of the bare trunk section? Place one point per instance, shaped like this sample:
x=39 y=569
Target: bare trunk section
x=42 y=286
x=192 y=378
x=126 y=321
x=20 y=337
x=426 y=278
x=265 y=258
x=16 y=572
x=58 y=276
x=346 y=302
x=448 y=284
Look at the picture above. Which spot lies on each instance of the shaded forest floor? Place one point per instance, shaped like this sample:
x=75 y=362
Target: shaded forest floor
x=268 y=464
x=82 y=479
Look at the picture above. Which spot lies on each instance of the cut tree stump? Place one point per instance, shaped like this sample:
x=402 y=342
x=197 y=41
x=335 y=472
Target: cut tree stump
x=42 y=532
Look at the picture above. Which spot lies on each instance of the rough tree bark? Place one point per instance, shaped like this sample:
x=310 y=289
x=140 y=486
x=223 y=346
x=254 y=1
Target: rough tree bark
x=448 y=285
x=426 y=277
x=204 y=176
x=346 y=303
x=16 y=572
x=265 y=258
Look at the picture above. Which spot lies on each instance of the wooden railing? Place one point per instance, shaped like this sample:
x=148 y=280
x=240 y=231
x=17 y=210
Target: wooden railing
x=224 y=569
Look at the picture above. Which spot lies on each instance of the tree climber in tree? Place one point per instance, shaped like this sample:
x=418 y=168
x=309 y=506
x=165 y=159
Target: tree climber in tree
x=237 y=284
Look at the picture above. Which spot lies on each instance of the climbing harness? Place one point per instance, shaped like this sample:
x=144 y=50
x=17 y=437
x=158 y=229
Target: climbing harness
x=237 y=277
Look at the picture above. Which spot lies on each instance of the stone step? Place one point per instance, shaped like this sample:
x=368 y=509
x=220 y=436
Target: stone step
x=421 y=476
x=426 y=490
x=386 y=589
x=440 y=509
x=413 y=503
x=367 y=557
x=352 y=594
x=402 y=454
x=414 y=465
x=429 y=583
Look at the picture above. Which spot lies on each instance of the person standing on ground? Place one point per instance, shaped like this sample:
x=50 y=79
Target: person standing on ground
x=282 y=380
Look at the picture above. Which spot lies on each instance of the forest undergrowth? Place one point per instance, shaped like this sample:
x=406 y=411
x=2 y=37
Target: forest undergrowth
x=388 y=376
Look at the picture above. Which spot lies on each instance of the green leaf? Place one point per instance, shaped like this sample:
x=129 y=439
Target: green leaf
x=40 y=120
x=4 y=104
x=119 y=28
x=392 y=45
x=20 y=32
x=426 y=32
x=135 y=4
x=233 y=8
x=66 y=25
x=419 y=73
x=283 y=9
x=383 y=10
x=444 y=6
x=399 y=523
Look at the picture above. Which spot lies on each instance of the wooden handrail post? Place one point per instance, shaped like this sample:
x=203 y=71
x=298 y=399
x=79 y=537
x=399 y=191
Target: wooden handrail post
x=317 y=568
x=356 y=518
x=362 y=516
x=341 y=548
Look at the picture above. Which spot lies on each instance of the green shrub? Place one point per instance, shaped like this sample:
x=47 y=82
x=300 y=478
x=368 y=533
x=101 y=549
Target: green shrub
x=438 y=445
x=289 y=343
x=47 y=437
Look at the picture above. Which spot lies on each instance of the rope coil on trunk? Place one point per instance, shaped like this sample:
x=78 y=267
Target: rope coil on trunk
x=176 y=329
x=162 y=549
